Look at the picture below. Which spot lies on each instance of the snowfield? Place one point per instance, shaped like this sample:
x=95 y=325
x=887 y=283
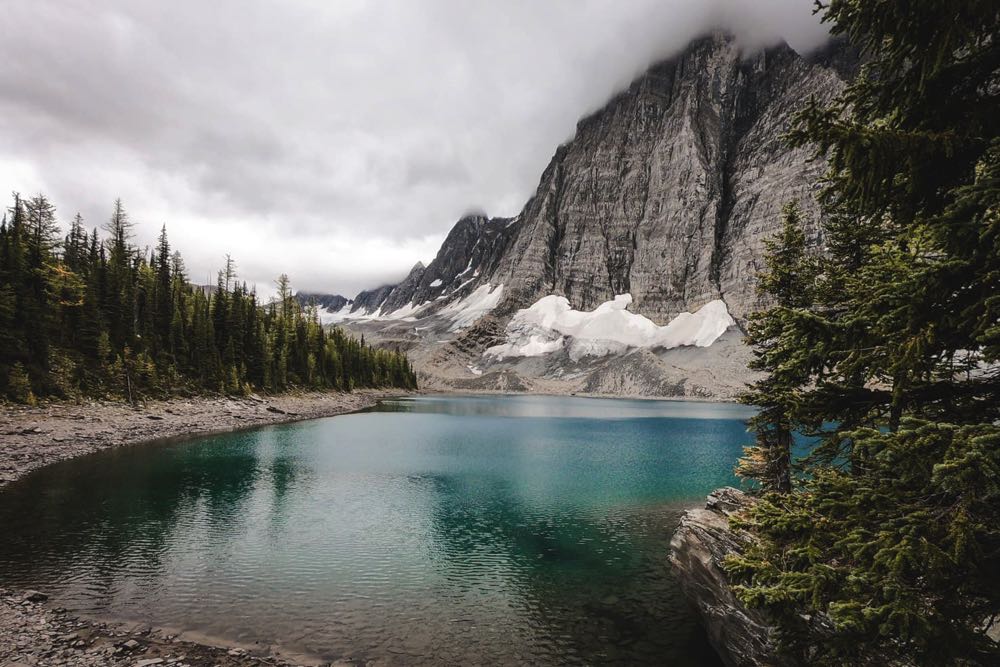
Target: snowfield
x=466 y=311
x=551 y=324
x=404 y=313
x=335 y=316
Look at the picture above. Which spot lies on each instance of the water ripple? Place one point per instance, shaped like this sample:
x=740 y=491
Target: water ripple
x=436 y=533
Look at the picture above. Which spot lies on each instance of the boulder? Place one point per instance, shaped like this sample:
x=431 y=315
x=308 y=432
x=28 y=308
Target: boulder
x=34 y=596
x=741 y=636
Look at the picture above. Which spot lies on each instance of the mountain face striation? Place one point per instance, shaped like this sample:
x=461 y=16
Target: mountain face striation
x=666 y=194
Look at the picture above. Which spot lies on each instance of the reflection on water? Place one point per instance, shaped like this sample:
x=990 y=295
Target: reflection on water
x=443 y=530
x=563 y=407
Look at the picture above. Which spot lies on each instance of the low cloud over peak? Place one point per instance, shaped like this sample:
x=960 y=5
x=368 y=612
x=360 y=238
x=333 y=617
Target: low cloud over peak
x=336 y=142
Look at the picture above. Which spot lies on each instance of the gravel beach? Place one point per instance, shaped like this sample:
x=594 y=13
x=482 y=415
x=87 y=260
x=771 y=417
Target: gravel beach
x=33 y=633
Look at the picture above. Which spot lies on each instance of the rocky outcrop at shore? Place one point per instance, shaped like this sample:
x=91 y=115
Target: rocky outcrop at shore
x=739 y=635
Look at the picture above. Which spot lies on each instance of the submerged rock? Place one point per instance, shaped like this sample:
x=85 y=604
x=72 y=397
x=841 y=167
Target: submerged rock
x=34 y=596
x=741 y=636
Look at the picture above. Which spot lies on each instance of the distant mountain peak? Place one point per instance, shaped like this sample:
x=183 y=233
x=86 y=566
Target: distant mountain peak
x=328 y=302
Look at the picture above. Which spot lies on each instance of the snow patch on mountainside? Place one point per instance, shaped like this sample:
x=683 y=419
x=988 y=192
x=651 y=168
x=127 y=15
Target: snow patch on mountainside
x=335 y=316
x=404 y=313
x=345 y=315
x=462 y=313
x=465 y=312
x=551 y=324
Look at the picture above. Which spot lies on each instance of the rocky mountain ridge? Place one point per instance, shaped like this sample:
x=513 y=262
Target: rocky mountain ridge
x=667 y=194
x=328 y=302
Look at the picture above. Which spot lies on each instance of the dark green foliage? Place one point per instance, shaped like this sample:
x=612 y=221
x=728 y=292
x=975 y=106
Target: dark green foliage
x=886 y=548
x=781 y=337
x=901 y=560
x=84 y=316
x=19 y=386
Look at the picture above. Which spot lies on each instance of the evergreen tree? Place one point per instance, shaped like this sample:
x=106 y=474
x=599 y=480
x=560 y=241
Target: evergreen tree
x=36 y=314
x=75 y=246
x=163 y=294
x=106 y=318
x=887 y=547
x=118 y=295
x=783 y=347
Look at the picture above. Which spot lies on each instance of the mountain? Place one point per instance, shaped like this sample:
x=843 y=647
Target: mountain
x=332 y=308
x=666 y=194
x=328 y=302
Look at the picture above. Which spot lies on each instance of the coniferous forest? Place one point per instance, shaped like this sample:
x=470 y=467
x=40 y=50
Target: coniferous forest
x=881 y=545
x=93 y=315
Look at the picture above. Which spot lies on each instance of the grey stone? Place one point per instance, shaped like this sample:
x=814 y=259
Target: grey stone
x=34 y=596
x=330 y=302
x=667 y=192
x=741 y=636
x=371 y=300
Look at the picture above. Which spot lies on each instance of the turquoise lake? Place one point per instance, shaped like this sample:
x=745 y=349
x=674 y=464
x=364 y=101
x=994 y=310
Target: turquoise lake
x=429 y=530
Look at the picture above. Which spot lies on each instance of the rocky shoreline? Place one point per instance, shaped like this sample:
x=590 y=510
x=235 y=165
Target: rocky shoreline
x=33 y=633
x=741 y=636
x=32 y=437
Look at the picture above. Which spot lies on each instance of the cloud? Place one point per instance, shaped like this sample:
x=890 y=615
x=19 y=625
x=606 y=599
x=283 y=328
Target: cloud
x=334 y=141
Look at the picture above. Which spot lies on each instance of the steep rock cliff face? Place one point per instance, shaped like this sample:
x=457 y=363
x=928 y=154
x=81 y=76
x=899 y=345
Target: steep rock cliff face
x=666 y=193
x=471 y=251
x=394 y=300
x=327 y=302
x=371 y=300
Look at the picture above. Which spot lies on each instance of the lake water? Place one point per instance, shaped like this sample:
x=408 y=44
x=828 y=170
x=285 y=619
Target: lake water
x=444 y=530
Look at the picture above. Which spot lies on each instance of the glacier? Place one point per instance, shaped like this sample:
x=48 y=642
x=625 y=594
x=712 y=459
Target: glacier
x=551 y=324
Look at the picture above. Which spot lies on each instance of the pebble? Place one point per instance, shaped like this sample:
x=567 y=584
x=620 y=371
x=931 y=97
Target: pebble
x=74 y=430
x=32 y=635
x=34 y=596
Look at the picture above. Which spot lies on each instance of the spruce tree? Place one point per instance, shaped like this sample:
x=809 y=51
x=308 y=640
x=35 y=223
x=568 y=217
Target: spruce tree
x=117 y=306
x=163 y=292
x=887 y=547
x=783 y=349
x=36 y=312
x=103 y=317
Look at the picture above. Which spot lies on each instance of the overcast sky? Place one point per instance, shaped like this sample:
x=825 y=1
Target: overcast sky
x=335 y=140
